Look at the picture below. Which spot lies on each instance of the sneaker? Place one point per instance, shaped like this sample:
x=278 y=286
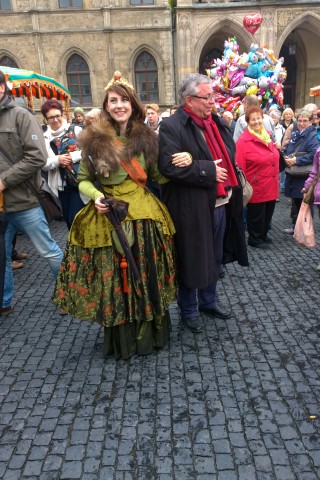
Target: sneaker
x=6 y=310
x=289 y=231
x=15 y=265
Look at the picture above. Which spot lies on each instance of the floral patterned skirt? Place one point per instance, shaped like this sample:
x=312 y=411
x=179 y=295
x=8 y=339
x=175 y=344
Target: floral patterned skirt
x=90 y=287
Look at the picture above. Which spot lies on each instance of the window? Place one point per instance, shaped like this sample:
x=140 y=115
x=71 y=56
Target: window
x=146 y=76
x=70 y=3
x=141 y=2
x=5 y=5
x=78 y=76
x=7 y=61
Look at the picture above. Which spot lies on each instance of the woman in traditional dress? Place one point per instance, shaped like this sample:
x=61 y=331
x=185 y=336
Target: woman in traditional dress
x=92 y=283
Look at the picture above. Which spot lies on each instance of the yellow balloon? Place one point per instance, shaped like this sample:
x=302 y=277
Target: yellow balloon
x=252 y=90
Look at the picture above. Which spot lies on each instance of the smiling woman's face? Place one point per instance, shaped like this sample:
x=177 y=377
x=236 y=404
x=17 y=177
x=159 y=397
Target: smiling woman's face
x=255 y=122
x=54 y=118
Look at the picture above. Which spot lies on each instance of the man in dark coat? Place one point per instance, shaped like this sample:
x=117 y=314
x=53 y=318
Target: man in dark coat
x=197 y=154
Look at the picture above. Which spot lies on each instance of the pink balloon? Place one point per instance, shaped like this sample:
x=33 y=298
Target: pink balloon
x=252 y=22
x=236 y=77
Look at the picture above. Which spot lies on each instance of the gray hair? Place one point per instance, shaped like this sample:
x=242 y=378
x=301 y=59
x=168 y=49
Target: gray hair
x=94 y=112
x=304 y=112
x=310 y=107
x=275 y=113
x=189 y=85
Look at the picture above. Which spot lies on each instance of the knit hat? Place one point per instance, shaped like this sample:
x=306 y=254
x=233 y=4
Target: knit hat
x=78 y=110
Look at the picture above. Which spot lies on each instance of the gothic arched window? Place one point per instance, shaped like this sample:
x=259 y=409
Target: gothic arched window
x=78 y=77
x=7 y=61
x=146 y=77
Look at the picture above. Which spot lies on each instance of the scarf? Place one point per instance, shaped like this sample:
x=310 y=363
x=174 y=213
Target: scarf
x=263 y=135
x=217 y=149
x=60 y=131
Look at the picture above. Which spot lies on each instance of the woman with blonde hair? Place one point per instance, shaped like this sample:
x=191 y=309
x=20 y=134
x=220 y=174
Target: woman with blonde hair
x=287 y=118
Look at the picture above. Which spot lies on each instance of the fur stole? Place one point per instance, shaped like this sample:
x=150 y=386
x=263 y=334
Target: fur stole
x=100 y=141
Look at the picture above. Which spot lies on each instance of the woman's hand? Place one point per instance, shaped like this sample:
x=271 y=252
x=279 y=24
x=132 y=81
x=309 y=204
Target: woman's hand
x=277 y=145
x=65 y=160
x=182 y=159
x=290 y=161
x=100 y=204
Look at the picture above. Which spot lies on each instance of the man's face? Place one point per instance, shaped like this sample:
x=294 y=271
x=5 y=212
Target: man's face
x=152 y=116
x=202 y=107
x=2 y=90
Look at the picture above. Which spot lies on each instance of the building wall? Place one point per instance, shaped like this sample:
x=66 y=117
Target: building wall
x=110 y=34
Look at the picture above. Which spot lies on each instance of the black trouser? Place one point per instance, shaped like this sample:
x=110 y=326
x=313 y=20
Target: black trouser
x=296 y=204
x=259 y=217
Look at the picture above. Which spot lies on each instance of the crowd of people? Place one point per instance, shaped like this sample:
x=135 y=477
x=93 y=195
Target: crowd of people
x=141 y=192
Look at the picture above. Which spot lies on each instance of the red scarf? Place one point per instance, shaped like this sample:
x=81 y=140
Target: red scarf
x=217 y=149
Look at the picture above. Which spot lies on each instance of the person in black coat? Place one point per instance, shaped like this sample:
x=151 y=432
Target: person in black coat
x=300 y=151
x=203 y=197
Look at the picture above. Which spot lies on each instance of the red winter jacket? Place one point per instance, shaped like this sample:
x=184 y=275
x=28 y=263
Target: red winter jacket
x=260 y=163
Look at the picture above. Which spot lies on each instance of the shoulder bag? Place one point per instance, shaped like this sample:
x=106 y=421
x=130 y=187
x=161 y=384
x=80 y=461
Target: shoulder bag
x=247 y=190
x=299 y=171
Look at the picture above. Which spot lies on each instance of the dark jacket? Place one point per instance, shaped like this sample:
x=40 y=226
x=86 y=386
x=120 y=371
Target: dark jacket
x=22 y=139
x=307 y=143
x=190 y=197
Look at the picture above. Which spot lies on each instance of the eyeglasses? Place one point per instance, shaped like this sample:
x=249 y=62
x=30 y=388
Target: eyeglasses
x=303 y=121
x=54 y=117
x=208 y=98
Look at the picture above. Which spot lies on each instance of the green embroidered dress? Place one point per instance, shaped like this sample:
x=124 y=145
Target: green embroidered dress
x=90 y=283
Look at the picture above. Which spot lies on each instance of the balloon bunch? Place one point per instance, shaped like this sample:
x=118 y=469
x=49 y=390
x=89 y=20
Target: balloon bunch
x=254 y=73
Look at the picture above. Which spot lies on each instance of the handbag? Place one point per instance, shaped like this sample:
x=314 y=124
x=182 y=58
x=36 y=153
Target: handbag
x=49 y=202
x=247 y=190
x=303 y=231
x=299 y=171
x=67 y=143
x=309 y=196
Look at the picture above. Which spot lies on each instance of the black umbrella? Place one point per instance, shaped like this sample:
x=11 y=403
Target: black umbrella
x=3 y=228
x=118 y=210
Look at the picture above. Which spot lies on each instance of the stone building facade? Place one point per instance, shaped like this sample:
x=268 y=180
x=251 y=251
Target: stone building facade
x=153 y=44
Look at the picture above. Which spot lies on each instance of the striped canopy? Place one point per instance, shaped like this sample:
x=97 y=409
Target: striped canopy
x=33 y=85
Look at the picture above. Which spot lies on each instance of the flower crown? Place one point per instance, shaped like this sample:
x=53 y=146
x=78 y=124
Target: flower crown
x=118 y=79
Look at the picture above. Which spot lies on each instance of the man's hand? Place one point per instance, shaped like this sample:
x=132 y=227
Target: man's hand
x=221 y=173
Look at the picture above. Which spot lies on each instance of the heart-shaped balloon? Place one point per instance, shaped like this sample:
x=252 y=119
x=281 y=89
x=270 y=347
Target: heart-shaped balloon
x=252 y=22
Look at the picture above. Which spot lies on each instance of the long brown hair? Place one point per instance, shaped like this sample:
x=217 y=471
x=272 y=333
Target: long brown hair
x=138 y=112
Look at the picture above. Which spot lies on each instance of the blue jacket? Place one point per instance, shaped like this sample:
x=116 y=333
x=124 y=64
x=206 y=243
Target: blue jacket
x=308 y=142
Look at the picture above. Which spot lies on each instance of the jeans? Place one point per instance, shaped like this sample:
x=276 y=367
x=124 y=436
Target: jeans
x=71 y=204
x=34 y=224
x=189 y=299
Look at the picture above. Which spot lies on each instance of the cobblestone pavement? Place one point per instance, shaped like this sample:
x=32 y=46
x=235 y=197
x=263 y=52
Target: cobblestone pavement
x=239 y=401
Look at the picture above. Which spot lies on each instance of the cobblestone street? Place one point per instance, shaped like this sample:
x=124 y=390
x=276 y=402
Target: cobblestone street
x=239 y=401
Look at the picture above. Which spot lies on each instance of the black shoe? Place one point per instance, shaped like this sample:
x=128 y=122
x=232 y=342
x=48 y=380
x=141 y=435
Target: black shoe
x=194 y=324
x=222 y=272
x=258 y=245
x=267 y=240
x=216 y=312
